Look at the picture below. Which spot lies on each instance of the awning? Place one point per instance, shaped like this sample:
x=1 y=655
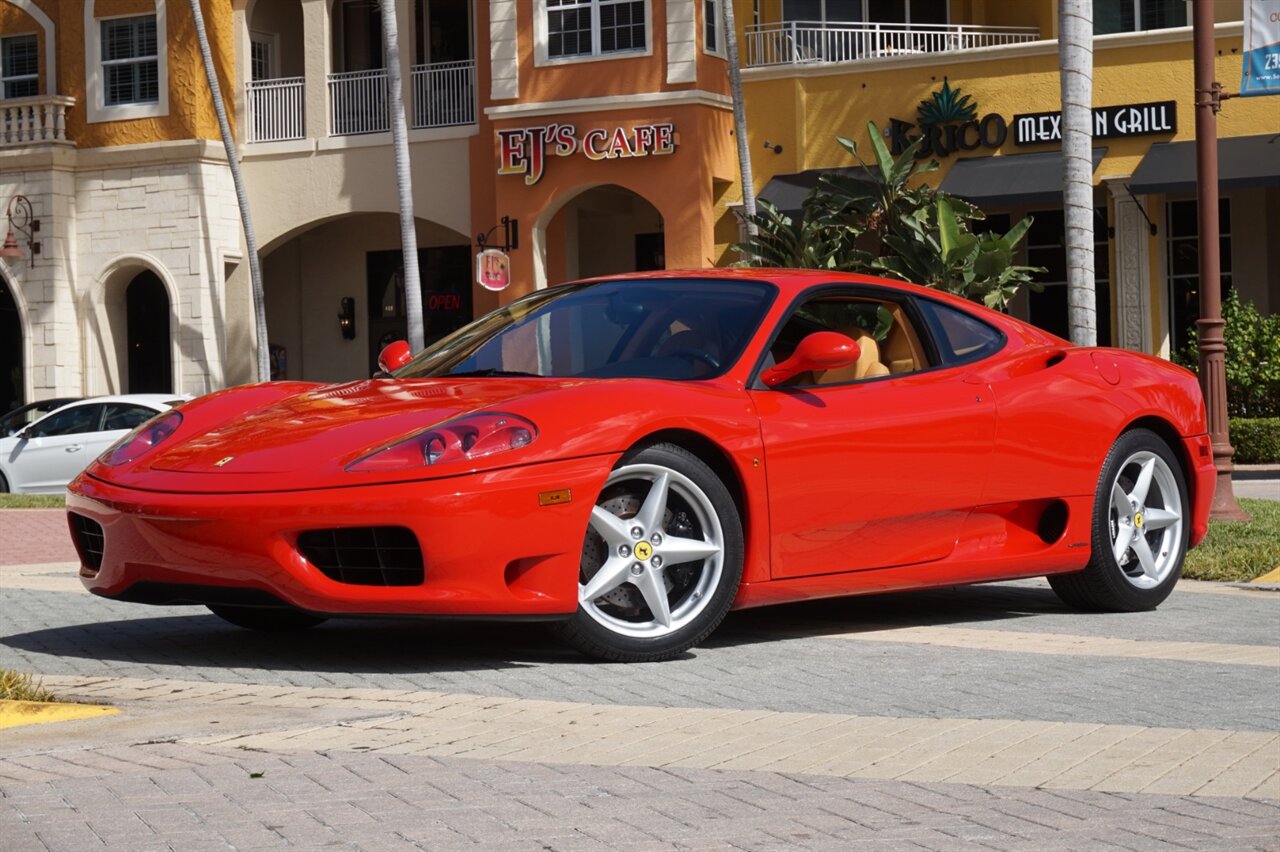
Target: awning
x=1242 y=161
x=1012 y=179
x=788 y=192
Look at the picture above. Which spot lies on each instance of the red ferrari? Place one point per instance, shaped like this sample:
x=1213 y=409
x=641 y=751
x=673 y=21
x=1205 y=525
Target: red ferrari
x=632 y=458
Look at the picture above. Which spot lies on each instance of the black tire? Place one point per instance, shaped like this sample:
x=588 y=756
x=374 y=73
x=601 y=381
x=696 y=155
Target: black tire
x=1106 y=584
x=4 y=484
x=714 y=578
x=265 y=618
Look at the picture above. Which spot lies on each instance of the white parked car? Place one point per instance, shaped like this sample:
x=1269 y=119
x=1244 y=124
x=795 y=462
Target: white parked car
x=45 y=456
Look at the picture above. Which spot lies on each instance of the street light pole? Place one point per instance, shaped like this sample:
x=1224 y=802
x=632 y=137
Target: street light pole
x=1213 y=377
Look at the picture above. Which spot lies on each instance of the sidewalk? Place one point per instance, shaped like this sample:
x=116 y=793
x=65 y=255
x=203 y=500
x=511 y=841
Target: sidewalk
x=35 y=537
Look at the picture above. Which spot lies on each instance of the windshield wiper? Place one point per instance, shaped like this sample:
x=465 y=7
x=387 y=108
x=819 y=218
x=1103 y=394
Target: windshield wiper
x=489 y=372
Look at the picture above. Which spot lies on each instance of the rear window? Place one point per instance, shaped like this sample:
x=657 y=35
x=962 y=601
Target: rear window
x=961 y=337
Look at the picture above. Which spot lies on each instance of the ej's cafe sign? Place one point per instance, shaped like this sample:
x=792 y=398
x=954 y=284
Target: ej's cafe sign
x=524 y=150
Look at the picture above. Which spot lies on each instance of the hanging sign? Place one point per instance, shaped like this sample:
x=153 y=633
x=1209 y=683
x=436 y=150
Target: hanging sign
x=493 y=269
x=1261 y=75
x=1152 y=119
x=524 y=150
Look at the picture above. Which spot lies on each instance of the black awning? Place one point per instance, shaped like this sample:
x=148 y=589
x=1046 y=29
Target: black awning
x=788 y=192
x=1012 y=179
x=1242 y=161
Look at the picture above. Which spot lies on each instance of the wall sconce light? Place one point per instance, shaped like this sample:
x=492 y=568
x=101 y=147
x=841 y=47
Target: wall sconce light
x=347 y=318
x=777 y=149
x=21 y=217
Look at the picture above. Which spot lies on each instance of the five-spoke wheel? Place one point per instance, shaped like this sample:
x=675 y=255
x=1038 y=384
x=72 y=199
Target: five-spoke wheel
x=661 y=559
x=1139 y=535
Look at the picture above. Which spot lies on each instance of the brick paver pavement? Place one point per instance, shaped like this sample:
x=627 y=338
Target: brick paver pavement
x=34 y=535
x=981 y=718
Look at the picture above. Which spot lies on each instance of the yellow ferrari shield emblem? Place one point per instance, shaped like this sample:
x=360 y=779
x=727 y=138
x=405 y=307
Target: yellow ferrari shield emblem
x=643 y=550
x=1137 y=520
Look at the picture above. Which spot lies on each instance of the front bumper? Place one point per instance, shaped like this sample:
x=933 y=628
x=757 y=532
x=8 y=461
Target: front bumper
x=489 y=548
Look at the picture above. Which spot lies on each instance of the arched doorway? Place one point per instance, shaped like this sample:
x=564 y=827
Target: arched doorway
x=604 y=231
x=349 y=268
x=11 y=341
x=147 y=335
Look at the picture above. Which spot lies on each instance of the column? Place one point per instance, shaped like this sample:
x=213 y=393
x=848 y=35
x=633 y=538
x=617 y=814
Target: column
x=316 y=37
x=1133 y=270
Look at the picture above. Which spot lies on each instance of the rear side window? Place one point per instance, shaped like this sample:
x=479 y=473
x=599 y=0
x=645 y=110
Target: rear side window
x=961 y=337
x=121 y=415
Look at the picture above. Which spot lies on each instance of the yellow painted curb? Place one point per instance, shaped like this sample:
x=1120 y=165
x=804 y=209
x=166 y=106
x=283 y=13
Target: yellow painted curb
x=15 y=713
x=1272 y=576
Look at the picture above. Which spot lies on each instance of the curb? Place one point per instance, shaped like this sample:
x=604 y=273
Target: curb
x=16 y=713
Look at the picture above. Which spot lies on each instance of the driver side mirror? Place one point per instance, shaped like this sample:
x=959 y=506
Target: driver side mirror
x=25 y=433
x=822 y=350
x=394 y=356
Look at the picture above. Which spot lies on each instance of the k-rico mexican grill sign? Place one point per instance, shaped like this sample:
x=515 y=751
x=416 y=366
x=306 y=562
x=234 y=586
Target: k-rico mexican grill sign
x=1151 y=119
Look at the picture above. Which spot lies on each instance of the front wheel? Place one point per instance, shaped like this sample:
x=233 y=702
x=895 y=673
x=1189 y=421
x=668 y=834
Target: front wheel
x=1140 y=529
x=661 y=560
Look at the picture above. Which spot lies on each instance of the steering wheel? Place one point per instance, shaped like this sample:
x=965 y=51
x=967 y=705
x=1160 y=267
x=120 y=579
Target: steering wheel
x=697 y=355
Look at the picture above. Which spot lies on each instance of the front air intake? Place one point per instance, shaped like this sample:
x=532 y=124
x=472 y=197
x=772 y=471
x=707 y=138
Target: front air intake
x=88 y=538
x=365 y=556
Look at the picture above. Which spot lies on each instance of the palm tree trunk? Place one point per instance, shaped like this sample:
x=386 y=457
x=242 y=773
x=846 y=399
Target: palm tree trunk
x=404 y=183
x=739 y=117
x=1075 y=55
x=242 y=198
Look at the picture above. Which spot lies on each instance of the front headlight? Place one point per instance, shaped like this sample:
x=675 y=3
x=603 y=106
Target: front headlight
x=468 y=438
x=142 y=439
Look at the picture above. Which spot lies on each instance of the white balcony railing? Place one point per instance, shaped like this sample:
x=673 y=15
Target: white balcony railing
x=41 y=120
x=444 y=94
x=358 y=102
x=275 y=111
x=796 y=42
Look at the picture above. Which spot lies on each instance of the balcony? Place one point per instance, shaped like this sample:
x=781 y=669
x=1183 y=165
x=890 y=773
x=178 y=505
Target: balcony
x=442 y=94
x=810 y=42
x=41 y=120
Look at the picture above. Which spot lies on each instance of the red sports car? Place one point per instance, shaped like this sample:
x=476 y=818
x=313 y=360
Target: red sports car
x=631 y=458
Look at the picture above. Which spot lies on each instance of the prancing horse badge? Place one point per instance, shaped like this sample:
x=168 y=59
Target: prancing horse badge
x=221 y=462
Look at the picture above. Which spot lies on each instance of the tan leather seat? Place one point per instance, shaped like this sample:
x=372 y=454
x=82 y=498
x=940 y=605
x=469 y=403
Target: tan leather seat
x=867 y=366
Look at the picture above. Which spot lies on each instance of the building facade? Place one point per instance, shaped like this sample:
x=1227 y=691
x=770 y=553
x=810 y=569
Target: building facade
x=599 y=131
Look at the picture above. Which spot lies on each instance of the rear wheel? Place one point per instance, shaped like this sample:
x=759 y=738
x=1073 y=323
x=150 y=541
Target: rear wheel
x=4 y=484
x=661 y=560
x=1140 y=529
x=267 y=619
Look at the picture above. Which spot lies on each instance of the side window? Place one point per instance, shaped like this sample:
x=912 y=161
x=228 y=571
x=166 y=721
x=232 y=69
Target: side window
x=73 y=421
x=19 y=67
x=961 y=337
x=130 y=61
x=122 y=415
x=883 y=330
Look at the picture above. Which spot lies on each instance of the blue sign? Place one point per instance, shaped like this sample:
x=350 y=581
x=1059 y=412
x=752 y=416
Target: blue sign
x=1261 y=48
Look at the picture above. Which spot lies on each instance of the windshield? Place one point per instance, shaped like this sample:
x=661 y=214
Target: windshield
x=657 y=329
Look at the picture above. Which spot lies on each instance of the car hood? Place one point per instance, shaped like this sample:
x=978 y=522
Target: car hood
x=311 y=436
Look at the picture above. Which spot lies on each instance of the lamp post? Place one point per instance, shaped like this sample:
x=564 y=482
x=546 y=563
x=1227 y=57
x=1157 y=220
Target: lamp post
x=1213 y=377
x=23 y=218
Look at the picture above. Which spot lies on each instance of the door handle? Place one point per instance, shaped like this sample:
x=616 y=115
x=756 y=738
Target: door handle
x=75 y=448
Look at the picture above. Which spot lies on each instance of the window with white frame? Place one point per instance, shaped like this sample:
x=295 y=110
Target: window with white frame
x=595 y=27
x=19 y=66
x=130 y=61
x=1127 y=16
x=711 y=25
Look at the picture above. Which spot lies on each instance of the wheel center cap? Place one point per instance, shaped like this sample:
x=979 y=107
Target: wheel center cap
x=1137 y=519
x=643 y=550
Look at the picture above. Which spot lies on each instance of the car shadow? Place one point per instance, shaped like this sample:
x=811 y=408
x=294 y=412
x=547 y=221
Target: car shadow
x=393 y=646
x=879 y=612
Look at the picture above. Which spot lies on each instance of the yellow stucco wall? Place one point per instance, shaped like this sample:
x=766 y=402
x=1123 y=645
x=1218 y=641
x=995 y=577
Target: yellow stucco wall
x=191 y=114
x=806 y=113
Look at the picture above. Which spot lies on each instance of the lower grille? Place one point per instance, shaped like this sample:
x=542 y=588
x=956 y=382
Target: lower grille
x=365 y=556
x=87 y=535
